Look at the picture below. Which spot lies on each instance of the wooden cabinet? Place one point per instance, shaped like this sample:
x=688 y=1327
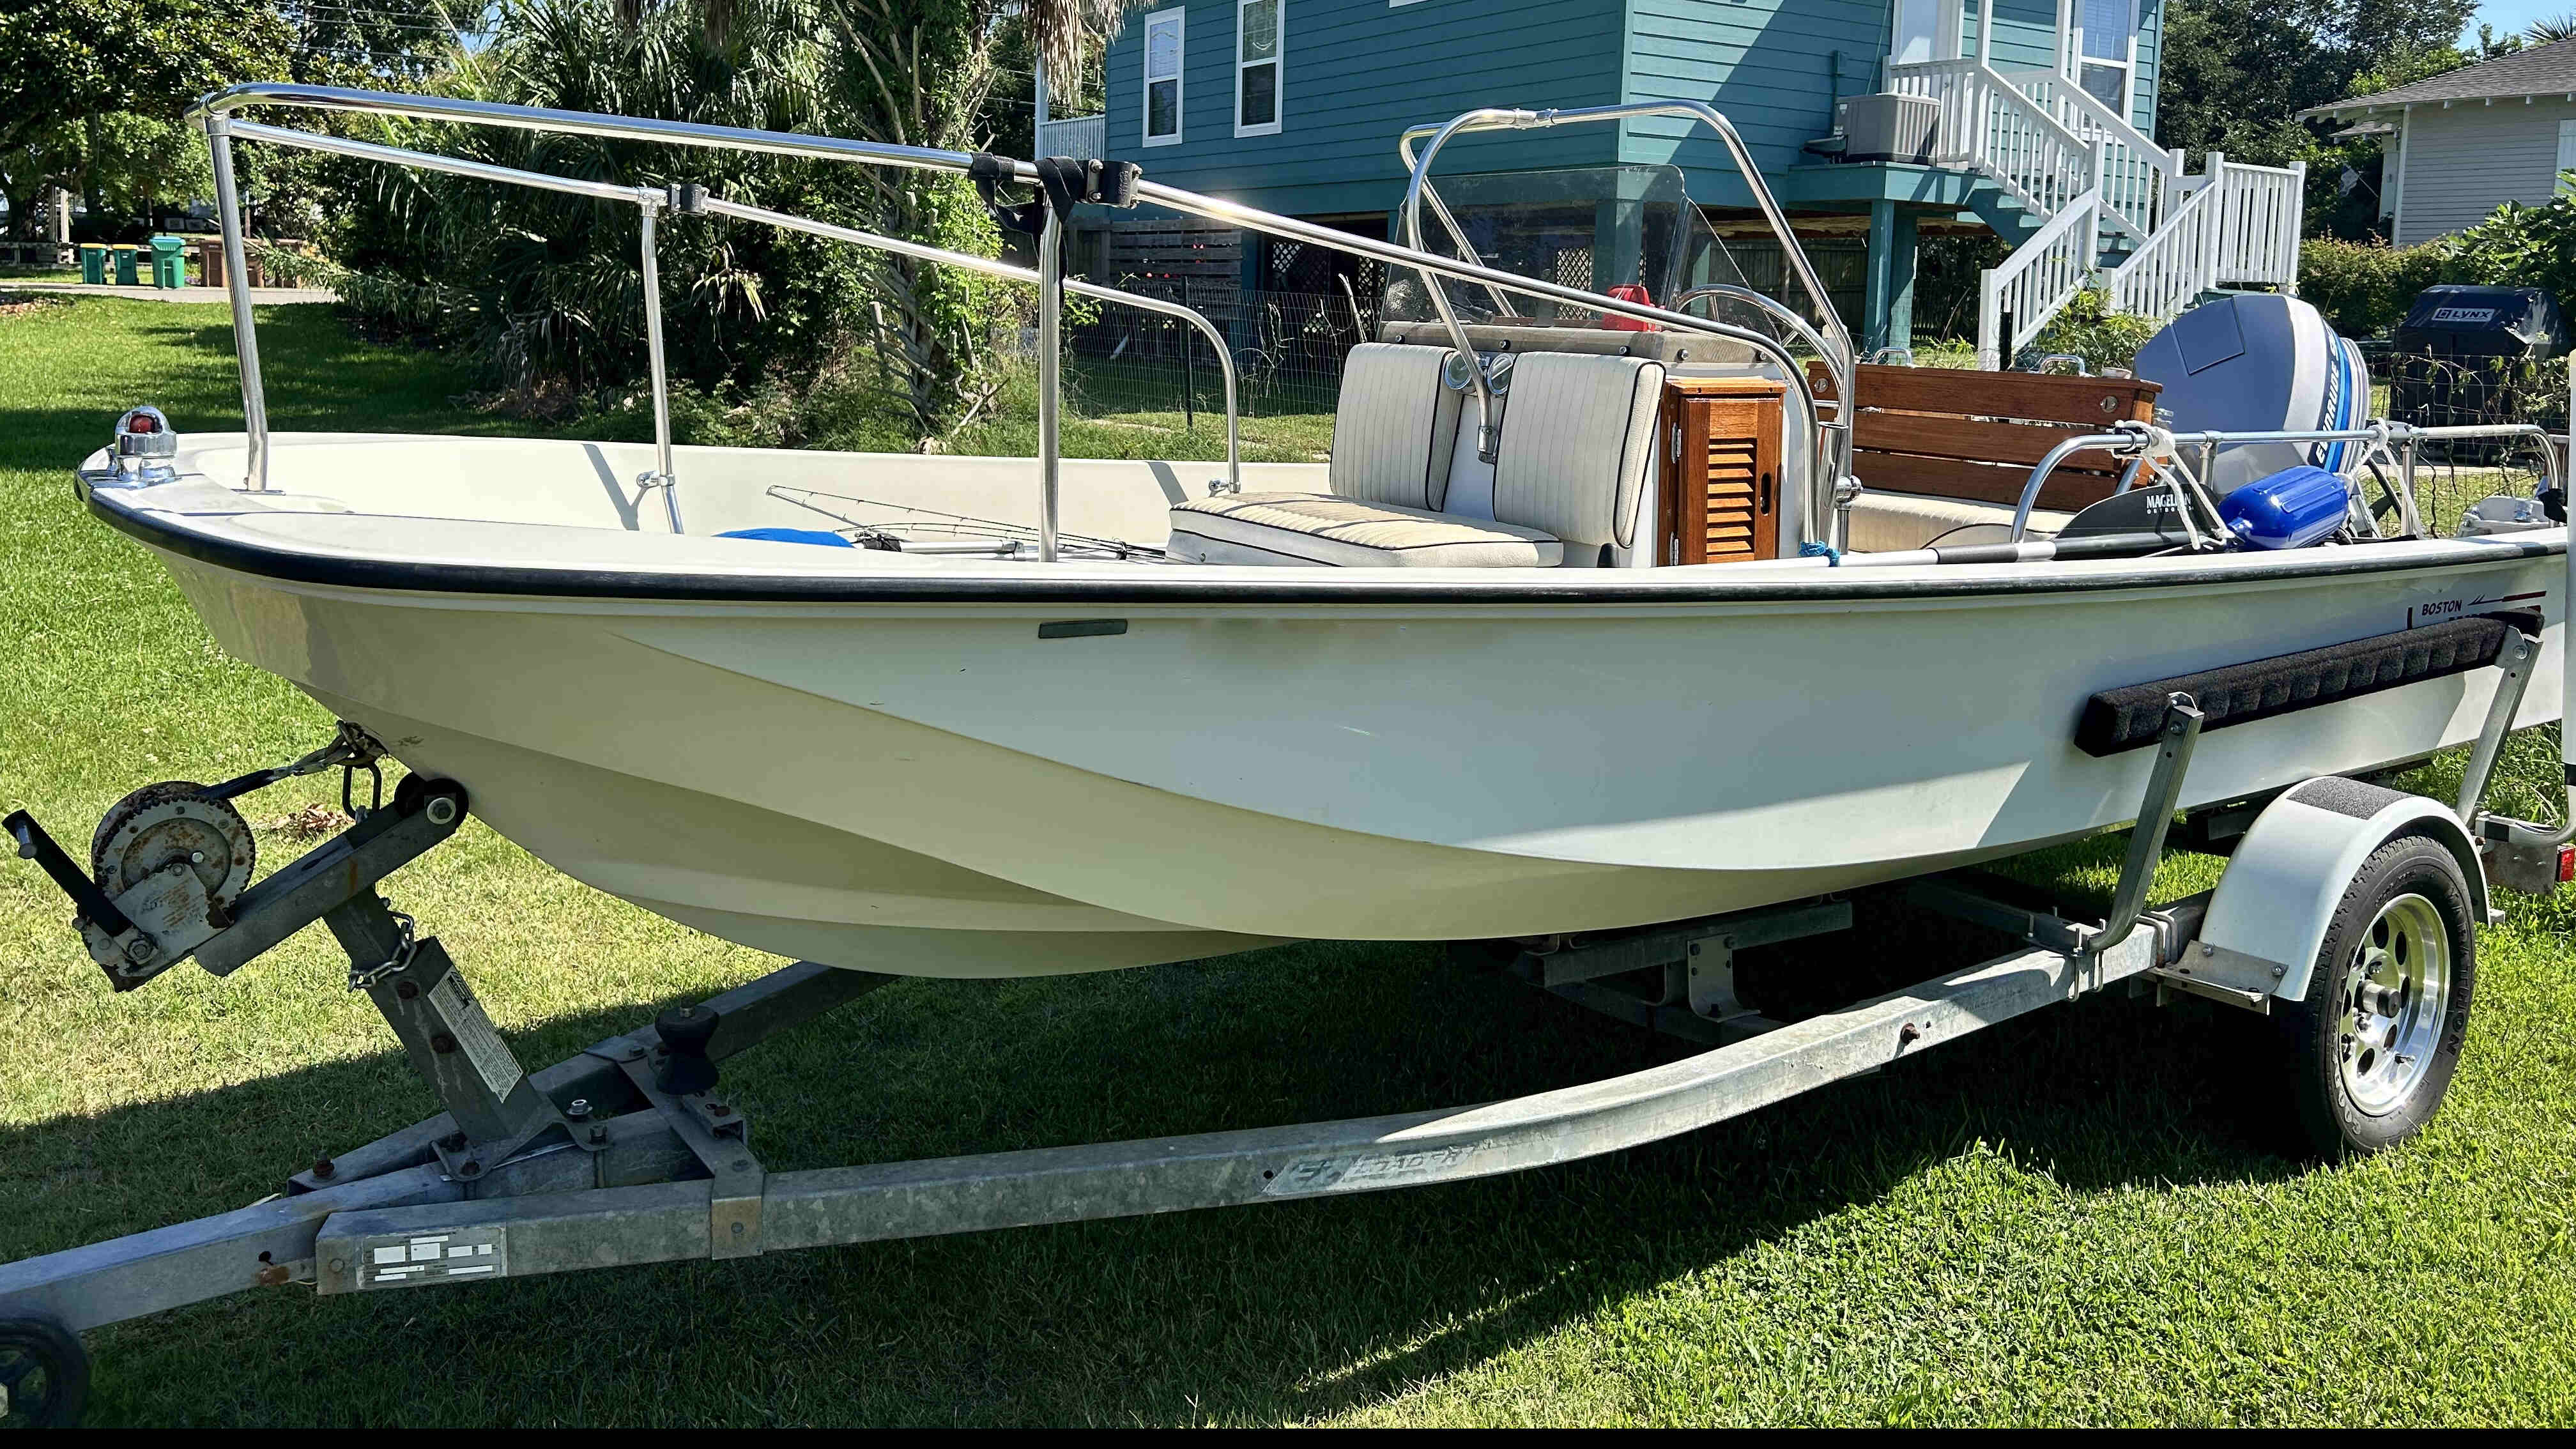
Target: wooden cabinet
x=1718 y=475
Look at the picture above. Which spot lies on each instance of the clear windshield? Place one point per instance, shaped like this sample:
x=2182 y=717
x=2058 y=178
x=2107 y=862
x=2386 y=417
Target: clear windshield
x=1623 y=231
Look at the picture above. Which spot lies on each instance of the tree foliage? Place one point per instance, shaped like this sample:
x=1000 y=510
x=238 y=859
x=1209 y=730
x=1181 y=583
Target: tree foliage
x=2236 y=75
x=549 y=287
x=73 y=71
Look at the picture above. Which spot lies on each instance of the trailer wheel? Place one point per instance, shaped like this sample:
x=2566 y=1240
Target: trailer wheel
x=44 y=1375
x=2376 y=1039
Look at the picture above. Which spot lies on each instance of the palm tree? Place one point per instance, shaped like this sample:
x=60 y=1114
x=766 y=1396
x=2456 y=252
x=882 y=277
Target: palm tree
x=1062 y=31
x=2551 y=29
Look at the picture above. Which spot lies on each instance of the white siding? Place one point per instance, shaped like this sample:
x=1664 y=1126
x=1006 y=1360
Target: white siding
x=2464 y=162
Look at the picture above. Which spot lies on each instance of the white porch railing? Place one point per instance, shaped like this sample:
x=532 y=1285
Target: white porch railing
x=1081 y=138
x=2139 y=179
x=2235 y=225
x=1989 y=125
x=2042 y=275
x=2259 y=239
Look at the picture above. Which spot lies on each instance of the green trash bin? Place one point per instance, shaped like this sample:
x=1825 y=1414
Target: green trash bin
x=125 y=275
x=94 y=265
x=169 y=262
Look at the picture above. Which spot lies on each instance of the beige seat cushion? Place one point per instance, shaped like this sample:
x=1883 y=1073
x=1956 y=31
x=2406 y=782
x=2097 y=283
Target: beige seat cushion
x=1578 y=433
x=1896 y=522
x=1309 y=528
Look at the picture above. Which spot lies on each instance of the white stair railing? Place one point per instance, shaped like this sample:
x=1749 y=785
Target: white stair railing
x=2076 y=165
x=2041 y=276
x=2163 y=277
x=2138 y=178
x=1988 y=124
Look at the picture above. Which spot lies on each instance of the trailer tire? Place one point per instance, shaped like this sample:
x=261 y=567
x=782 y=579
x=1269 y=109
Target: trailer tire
x=2373 y=1044
x=44 y=1375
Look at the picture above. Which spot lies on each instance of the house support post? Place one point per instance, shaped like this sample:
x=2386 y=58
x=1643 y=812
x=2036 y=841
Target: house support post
x=1888 y=309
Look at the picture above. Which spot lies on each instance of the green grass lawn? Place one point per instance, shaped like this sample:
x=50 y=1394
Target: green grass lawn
x=2077 y=1216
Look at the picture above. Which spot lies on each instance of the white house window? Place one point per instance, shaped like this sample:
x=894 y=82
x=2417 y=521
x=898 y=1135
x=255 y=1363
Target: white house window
x=1258 y=28
x=2108 y=50
x=1163 y=77
x=1918 y=29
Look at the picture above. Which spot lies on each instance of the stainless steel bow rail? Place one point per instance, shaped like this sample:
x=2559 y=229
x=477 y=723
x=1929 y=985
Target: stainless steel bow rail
x=695 y=201
x=628 y=1154
x=216 y=114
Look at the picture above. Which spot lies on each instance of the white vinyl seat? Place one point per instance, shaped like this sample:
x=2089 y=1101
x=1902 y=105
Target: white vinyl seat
x=1577 y=438
x=1393 y=432
x=1577 y=434
x=1313 y=528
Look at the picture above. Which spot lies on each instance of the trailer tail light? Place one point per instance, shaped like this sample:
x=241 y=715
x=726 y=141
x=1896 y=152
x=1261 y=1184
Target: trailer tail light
x=2567 y=862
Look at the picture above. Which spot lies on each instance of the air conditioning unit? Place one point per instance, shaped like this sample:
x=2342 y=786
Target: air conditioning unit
x=1889 y=127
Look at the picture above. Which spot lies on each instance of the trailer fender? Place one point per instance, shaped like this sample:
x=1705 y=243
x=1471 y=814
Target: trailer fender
x=2268 y=919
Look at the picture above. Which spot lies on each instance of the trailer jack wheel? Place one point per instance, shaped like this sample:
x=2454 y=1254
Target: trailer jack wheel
x=2374 y=1042
x=44 y=1375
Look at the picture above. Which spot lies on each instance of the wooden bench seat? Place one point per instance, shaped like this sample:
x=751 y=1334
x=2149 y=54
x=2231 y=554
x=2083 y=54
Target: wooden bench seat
x=1953 y=433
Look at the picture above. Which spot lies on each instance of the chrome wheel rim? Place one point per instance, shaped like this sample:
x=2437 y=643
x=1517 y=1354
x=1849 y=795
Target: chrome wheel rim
x=2396 y=995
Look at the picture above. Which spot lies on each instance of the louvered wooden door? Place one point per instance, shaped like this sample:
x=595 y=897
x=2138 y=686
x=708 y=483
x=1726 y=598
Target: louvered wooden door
x=1720 y=474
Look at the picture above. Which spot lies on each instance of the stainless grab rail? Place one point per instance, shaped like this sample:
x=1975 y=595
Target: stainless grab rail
x=1827 y=492
x=1769 y=306
x=213 y=111
x=2136 y=441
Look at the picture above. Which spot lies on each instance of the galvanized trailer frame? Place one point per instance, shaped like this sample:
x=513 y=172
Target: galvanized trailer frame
x=625 y=1154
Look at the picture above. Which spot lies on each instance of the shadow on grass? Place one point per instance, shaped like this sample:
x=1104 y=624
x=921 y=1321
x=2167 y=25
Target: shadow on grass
x=1295 y=1311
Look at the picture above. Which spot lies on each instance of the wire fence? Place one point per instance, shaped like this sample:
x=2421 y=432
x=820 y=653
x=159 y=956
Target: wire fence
x=2432 y=391
x=1288 y=350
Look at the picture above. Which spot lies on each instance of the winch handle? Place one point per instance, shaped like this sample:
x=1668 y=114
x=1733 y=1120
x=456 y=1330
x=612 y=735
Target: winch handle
x=34 y=844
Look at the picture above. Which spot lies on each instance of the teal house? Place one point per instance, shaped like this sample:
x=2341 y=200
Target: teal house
x=1873 y=121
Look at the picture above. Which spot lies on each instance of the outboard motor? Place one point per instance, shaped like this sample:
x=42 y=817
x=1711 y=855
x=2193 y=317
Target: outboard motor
x=2258 y=363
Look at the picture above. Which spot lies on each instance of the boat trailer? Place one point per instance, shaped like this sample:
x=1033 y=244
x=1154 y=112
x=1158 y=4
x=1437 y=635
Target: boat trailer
x=627 y=1153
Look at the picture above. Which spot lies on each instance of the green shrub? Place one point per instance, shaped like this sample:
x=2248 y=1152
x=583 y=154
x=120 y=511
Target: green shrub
x=2089 y=329
x=2364 y=288
x=2521 y=246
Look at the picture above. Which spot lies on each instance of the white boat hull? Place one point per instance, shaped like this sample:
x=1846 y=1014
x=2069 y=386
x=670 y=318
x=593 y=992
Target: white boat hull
x=933 y=788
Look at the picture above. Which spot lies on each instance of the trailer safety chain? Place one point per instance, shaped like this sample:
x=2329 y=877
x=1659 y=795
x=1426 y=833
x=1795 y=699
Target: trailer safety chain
x=362 y=977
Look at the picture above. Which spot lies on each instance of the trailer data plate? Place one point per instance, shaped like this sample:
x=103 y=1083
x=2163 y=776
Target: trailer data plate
x=408 y=1260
